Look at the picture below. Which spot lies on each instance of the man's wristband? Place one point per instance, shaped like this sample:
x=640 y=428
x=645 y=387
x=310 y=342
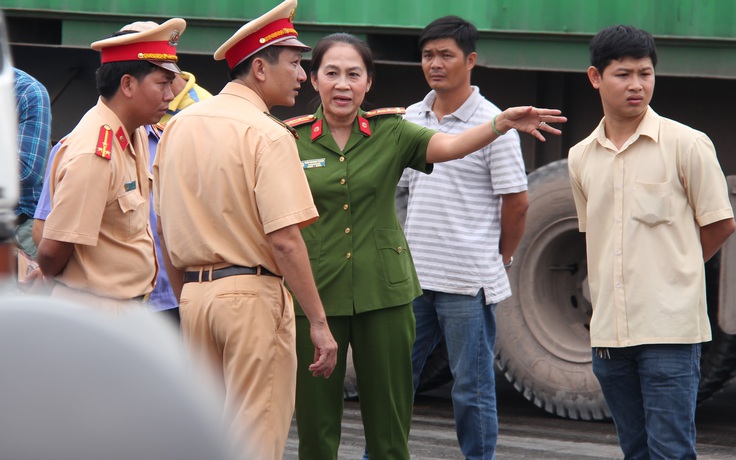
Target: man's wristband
x=493 y=125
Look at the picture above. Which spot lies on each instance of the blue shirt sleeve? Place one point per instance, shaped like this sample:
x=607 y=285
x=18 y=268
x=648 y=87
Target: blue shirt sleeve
x=43 y=209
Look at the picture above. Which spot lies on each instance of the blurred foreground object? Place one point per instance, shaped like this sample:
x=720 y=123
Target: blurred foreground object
x=79 y=384
x=9 y=187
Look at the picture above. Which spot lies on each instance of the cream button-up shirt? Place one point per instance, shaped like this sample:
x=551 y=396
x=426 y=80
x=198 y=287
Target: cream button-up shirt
x=642 y=207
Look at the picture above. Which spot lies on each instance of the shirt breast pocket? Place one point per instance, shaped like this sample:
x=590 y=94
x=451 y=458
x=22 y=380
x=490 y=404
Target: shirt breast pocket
x=132 y=221
x=652 y=203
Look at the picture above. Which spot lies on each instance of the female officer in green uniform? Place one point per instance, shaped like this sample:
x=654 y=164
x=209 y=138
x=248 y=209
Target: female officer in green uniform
x=360 y=260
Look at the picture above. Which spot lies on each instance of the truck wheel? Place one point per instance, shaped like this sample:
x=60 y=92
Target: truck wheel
x=718 y=364
x=543 y=342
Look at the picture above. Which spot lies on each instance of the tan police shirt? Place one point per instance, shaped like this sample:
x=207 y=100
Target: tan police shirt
x=100 y=193
x=642 y=207
x=225 y=175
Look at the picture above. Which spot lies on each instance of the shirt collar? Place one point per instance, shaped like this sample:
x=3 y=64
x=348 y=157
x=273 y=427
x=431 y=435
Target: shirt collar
x=242 y=91
x=464 y=112
x=649 y=126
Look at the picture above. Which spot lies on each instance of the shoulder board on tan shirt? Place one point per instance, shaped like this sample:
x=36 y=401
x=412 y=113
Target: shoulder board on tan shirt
x=104 y=143
x=288 y=127
x=385 y=111
x=300 y=120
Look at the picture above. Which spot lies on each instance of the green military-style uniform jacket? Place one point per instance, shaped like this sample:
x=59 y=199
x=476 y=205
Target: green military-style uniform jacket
x=357 y=249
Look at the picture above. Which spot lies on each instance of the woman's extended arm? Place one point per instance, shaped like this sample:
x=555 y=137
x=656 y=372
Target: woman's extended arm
x=446 y=147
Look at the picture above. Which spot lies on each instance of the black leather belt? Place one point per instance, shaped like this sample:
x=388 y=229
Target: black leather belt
x=234 y=270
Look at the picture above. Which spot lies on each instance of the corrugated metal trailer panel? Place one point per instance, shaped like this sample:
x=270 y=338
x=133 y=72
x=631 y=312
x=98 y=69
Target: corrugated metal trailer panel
x=682 y=18
x=694 y=37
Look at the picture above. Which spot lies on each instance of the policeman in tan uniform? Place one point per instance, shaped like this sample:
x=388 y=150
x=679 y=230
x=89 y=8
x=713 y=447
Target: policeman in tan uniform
x=97 y=241
x=231 y=198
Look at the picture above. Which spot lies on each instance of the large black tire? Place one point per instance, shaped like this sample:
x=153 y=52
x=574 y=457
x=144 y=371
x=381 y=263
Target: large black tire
x=543 y=344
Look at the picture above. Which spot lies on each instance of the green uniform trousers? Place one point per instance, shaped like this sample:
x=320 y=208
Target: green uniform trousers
x=381 y=341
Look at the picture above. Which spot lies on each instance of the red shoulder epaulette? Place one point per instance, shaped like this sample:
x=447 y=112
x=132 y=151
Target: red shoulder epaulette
x=385 y=111
x=104 y=143
x=300 y=120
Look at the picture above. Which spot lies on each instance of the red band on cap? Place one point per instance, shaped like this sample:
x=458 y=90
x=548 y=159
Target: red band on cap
x=154 y=51
x=259 y=39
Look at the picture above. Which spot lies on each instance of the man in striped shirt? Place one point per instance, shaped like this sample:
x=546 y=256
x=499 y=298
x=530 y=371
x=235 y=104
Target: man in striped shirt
x=463 y=223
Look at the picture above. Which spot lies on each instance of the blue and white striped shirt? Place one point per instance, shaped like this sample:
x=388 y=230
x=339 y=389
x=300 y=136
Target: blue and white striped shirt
x=453 y=221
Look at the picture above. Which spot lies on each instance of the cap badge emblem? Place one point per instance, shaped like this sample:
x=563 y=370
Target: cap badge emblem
x=174 y=39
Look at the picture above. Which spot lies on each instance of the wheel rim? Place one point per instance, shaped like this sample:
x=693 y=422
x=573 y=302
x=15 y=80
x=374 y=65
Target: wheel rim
x=553 y=283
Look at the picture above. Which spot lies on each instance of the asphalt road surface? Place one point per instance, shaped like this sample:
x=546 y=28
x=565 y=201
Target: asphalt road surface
x=527 y=432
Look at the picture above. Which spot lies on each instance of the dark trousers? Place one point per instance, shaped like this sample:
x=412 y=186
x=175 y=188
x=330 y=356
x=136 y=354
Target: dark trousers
x=381 y=343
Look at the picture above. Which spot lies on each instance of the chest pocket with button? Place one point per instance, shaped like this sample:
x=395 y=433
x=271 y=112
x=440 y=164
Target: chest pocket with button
x=133 y=219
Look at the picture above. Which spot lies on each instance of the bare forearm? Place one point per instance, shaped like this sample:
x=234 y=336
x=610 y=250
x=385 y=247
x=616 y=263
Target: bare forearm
x=292 y=258
x=510 y=238
x=714 y=235
x=53 y=256
x=531 y=120
x=445 y=147
x=513 y=221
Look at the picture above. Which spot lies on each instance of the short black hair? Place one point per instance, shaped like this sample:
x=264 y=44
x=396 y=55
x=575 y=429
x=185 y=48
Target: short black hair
x=463 y=32
x=618 y=42
x=270 y=54
x=108 y=76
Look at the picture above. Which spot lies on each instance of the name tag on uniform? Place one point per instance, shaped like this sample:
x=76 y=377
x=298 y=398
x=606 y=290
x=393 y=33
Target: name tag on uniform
x=316 y=163
x=130 y=186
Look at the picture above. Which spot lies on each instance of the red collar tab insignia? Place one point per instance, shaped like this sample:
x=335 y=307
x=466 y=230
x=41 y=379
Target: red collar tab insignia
x=104 y=143
x=317 y=130
x=364 y=126
x=298 y=121
x=122 y=138
x=385 y=111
